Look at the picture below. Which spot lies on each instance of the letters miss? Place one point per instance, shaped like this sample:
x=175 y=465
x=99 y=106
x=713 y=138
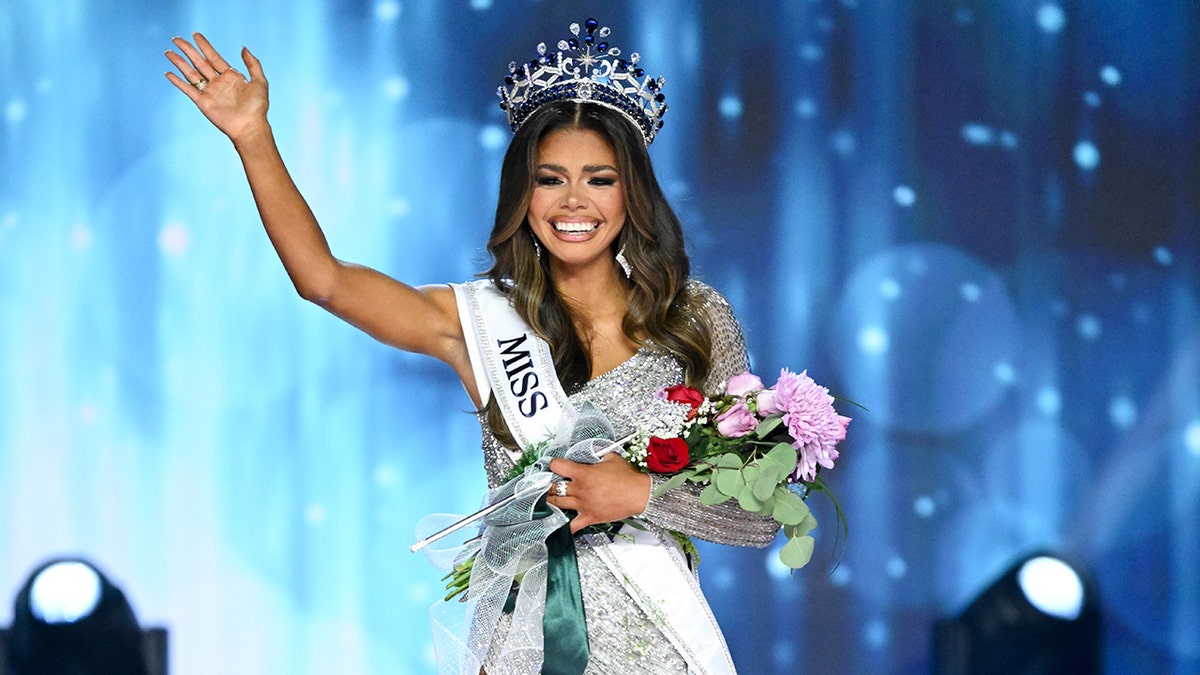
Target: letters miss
x=523 y=381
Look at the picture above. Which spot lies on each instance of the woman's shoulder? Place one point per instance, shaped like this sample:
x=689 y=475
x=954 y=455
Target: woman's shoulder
x=704 y=299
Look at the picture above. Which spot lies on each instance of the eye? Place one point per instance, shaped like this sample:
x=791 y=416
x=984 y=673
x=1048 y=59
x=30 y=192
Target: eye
x=548 y=180
x=603 y=180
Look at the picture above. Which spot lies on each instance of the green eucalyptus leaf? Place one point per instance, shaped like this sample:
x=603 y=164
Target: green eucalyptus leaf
x=808 y=524
x=730 y=461
x=747 y=500
x=797 y=552
x=777 y=473
x=764 y=485
x=790 y=509
x=768 y=425
x=711 y=496
x=783 y=455
x=729 y=481
x=751 y=473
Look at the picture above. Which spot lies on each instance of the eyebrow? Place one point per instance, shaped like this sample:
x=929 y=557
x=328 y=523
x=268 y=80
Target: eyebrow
x=588 y=168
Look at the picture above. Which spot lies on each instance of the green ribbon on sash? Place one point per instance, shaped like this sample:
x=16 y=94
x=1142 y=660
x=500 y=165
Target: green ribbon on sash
x=564 y=627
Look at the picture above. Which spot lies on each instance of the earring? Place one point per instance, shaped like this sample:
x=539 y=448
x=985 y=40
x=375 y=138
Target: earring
x=537 y=247
x=624 y=263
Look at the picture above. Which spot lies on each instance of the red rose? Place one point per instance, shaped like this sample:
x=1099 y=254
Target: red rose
x=667 y=455
x=681 y=394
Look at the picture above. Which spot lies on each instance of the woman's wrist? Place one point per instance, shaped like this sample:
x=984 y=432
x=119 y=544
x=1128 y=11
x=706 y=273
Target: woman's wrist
x=652 y=483
x=254 y=138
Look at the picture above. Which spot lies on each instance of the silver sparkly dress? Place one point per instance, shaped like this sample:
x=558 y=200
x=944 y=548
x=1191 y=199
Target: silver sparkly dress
x=621 y=637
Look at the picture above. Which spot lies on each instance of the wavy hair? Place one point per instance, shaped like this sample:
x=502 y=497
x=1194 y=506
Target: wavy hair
x=658 y=310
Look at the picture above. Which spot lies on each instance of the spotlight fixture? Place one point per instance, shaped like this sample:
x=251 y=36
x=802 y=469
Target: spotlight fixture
x=1040 y=617
x=69 y=619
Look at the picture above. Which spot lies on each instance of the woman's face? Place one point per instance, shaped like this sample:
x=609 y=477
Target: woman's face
x=578 y=203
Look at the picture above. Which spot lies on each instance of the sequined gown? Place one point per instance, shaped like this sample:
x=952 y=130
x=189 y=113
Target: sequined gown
x=622 y=639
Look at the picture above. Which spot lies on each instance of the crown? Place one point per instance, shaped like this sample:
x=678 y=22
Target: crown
x=585 y=68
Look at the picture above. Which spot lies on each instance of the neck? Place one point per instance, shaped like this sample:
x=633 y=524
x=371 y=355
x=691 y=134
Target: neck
x=591 y=291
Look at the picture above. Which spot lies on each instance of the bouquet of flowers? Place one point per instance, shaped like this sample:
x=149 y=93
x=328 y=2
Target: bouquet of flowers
x=763 y=446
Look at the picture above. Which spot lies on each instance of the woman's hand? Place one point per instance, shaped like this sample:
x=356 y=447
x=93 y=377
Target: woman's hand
x=600 y=493
x=235 y=105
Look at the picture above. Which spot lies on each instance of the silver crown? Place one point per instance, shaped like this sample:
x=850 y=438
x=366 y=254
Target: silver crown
x=585 y=68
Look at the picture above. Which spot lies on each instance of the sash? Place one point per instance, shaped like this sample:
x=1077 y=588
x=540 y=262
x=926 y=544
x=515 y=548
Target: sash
x=512 y=363
x=654 y=571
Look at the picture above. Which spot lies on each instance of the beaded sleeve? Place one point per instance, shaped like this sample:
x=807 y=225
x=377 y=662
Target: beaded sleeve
x=680 y=509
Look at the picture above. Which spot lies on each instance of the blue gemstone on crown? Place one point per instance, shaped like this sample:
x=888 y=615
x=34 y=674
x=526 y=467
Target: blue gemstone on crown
x=585 y=71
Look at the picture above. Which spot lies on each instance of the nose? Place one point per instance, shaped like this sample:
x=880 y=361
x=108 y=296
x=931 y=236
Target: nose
x=574 y=197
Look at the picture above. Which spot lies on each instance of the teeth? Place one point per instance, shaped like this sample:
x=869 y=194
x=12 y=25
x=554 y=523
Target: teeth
x=575 y=228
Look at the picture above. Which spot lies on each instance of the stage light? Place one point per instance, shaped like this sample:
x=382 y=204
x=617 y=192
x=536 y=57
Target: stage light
x=1041 y=617
x=1052 y=586
x=69 y=619
x=64 y=592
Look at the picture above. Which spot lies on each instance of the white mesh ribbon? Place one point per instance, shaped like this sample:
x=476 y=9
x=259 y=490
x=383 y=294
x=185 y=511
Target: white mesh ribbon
x=511 y=544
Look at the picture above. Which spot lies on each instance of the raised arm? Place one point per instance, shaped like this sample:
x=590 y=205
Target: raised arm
x=422 y=320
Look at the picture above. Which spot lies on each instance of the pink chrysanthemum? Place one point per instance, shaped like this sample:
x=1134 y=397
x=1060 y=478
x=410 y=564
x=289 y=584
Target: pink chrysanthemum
x=815 y=427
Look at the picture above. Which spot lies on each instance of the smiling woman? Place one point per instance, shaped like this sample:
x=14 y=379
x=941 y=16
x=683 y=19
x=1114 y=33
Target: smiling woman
x=578 y=200
x=588 y=308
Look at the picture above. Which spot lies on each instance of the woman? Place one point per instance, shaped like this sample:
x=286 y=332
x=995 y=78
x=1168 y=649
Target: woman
x=588 y=260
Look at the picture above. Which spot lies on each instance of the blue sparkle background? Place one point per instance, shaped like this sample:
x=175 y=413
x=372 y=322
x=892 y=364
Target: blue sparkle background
x=979 y=219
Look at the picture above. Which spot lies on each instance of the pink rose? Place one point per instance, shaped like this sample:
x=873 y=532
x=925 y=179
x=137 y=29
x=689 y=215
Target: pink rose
x=736 y=421
x=740 y=385
x=667 y=455
x=767 y=402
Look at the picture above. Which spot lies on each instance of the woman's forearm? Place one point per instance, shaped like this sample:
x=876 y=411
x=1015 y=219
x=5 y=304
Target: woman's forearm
x=286 y=216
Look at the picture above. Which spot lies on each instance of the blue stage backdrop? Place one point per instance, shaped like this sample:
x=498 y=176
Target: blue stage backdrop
x=977 y=218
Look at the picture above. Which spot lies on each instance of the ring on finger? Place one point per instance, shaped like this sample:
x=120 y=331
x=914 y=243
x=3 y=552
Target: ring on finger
x=560 y=488
x=201 y=83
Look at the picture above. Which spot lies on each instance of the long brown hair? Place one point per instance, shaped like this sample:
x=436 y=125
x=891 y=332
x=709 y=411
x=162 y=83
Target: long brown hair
x=658 y=307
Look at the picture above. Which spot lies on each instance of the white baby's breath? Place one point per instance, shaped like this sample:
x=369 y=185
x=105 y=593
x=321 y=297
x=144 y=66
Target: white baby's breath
x=670 y=421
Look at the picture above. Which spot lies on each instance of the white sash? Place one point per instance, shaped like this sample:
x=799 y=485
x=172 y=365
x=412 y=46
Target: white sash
x=510 y=361
x=654 y=571
x=515 y=365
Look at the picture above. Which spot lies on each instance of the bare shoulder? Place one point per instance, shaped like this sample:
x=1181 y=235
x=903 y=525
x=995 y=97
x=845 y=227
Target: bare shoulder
x=441 y=296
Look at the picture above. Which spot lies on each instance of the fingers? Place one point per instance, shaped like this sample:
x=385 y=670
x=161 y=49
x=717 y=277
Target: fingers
x=582 y=518
x=211 y=55
x=197 y=66
x=203 y=61
x=191 y=76
x=187 y=88
x=201 y=64
x=562 y=467
x=579 y=522
x=599 y=493
x=252 y=65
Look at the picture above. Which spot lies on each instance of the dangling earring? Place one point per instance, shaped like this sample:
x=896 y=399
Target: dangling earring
x=537 y=247
x=624 y=263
